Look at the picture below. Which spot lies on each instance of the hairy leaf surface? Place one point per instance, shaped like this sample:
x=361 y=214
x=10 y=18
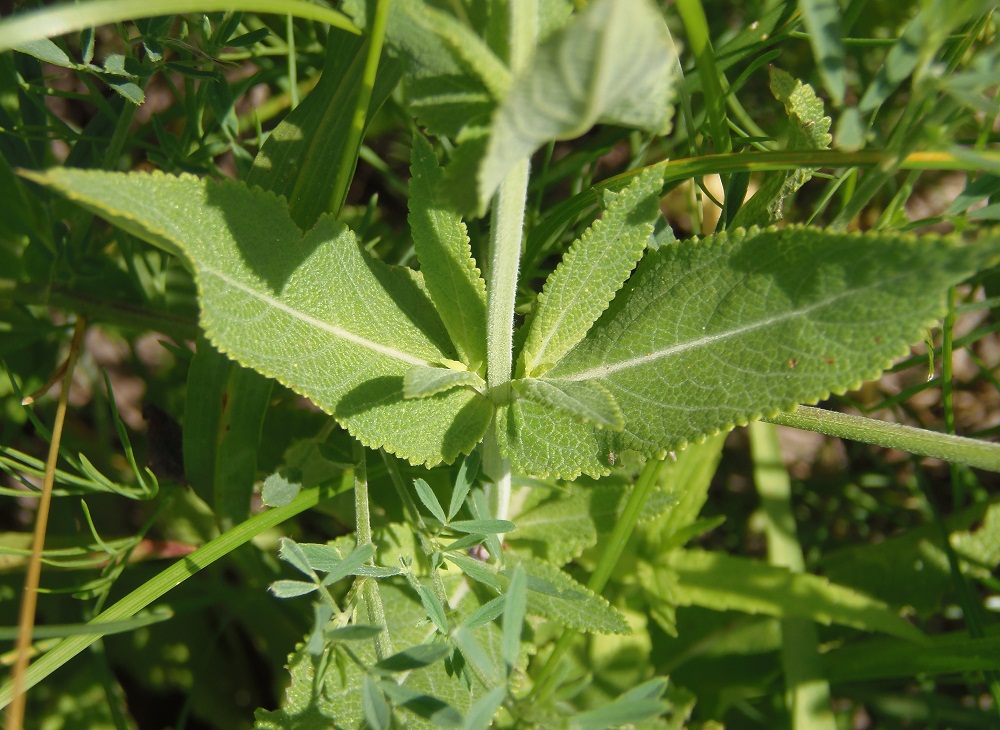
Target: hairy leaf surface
x=312 y=310
x=714 y=333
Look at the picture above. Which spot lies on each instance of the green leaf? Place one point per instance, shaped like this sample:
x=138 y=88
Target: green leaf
x=724 y=582
x=378 y=715
x=582 y=400
x=513 y=617
x=556 y=596
x=430 y=500
x=810 y=130
x=423 y=382
x=483 y=527
x=416 y=657
x=355 y=632
x=638 y=704
x=614 y=63
x=292 y=553
x=45 y=50
x=442 y=245
x=594 y=268
x=350 y=565
x=463 y=482
x=437 y=711
x=822 y=20
x=291 y=588
x=714 y=333
x=884 y=657
x=475 y=569
x=486 y=613
x=278 y=491
x=347 y=350
x=481 y=714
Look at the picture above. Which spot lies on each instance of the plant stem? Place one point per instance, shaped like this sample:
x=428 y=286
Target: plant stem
x=362 y=516
x=807 y=692
x=616 y=544
x=166 y=581
x=29 y=599
x=917 y=441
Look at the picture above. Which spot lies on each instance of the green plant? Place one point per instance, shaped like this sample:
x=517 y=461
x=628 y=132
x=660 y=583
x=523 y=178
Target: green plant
x=584 y=438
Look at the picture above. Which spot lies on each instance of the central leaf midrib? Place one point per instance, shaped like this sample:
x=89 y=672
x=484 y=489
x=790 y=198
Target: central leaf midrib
x=318 y=323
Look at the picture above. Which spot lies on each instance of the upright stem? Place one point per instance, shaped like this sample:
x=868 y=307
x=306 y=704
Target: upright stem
x=506 y=234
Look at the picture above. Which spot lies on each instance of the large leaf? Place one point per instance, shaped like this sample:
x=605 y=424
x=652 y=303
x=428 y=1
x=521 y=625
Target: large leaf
x=714 y=333
x=312 y=310
x=613 y=63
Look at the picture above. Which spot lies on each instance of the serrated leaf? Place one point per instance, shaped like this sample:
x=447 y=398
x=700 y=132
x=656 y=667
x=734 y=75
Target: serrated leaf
x=614 y=62
x=580 y=400
x=725 y=582
x=423 y=382
x=810 y=130
x=593 y=269
x=291 y=588
x=429 y=499
x=564 y=600
x=442 y=245
x=278 y=491
x=714 y=333
x=347 y=350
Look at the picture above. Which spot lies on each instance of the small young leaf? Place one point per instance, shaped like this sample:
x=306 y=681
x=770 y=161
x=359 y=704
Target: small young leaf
x=481 y=714
x=416 y=657
x=614 y=62
x=586 y=404
x=291 y=588
x=484 y=614
x=475 y=569
x=429 y=499
x=292 y=553
x=463 y=482
x=423 y=382
x=354 y=632
x=437 y=711
x=483 y=527
x=442 y=245
x=350 y=565
x=513 y=617
x=632 y=708
x=594 y=268
x=278 y=491
x=376 y=709
x=464 y=543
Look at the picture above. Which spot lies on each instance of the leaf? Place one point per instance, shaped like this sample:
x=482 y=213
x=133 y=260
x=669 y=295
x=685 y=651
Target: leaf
x=594 y=268
x=714 y=333
x=483 y=527
x=278 y=491
x=583 y=401
x=884 y=657
x=423 y=382
x=291 y=588
x=354 y=632
x=564 y=600
x=822 y=20
x=378 y=714
x=416 y=657
x=333 y=698
x=45 y=50
x=463 y=482
x=442 y=245
x=614 y=63
x=292 y=553
x=513 y=617
x=486 y=613
x=347 y=350
x=631 y=708
x=430 y=500
x=481 y=714
x=810 y=130
x=427 y=706
x=351 y=565
x=724 y=582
